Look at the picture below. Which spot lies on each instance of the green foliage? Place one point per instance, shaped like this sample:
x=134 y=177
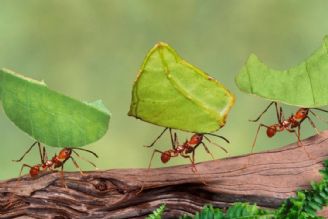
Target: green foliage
x=307 y=202
x=168 y=86
x=304 y=205
x=236 y=211
x=309 y=78
x=49 y=117
x=157 y=213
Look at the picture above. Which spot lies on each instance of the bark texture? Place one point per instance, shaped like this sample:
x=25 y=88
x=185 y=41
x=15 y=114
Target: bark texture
x=270 y=177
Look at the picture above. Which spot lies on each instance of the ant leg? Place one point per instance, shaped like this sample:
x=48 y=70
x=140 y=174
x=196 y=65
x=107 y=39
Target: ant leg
x=254 y=142
x=266 y=109
x=83 y=158
x=257 y=132
x=192 y=160
x=152 y=156
x=62 y=176
x=152 y=144
x=24 y=165
x=194 y=168
x=77 y=166
x=151 y=159
x=20 y=159
x=298 y=135
x=313 y=125
x=222 y=148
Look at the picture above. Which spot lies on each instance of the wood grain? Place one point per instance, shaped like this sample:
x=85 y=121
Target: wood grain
x=270 y=177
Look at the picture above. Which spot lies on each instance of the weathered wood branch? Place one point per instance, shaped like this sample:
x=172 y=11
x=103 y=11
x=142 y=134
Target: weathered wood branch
x=269 y=178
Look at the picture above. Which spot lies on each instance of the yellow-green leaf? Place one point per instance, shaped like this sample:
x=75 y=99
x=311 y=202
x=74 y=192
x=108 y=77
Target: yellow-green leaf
x=172 y=93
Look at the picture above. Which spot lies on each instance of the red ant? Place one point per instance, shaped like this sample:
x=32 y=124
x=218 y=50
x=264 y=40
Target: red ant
x=57 y=161
x=187 y=148
x=292 y=124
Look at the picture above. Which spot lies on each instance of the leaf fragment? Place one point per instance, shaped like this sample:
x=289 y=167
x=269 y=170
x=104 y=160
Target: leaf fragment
x=305 y=85
x=48 y=116
x=172 y=93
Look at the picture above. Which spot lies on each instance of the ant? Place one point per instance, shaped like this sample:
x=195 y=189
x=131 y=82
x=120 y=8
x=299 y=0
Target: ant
x=187 y=148
x=292 y=124
x=57 y=161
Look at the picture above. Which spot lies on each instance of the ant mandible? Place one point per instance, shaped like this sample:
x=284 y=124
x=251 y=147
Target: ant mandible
x=187 y=148
x=292 y=124
x=57 y=161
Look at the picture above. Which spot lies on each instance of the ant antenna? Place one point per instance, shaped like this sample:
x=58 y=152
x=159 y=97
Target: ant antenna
x=222 y=148
x=82 y=149
x=219 y=136
x=84 y=159
x=317 y=116
x=326 y=111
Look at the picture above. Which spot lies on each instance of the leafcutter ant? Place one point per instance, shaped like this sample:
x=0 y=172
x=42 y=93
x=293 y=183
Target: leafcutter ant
x=187 y=149
x=292 y=124
x=57 y=161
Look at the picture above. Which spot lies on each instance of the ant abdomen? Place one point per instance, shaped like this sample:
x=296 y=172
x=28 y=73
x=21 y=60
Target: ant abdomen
x=271 y=131
x=165 y=157
x=34 y=171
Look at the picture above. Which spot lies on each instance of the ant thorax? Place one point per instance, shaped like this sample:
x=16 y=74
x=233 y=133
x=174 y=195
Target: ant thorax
x=49 y=163
x=180 y=148
x=286 y=123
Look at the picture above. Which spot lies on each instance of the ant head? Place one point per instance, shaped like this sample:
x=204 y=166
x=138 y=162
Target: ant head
x=34 y=171
x=301 y=113
x=271 y=131
x=196 y=138
x=165 y=157
x=64 y=154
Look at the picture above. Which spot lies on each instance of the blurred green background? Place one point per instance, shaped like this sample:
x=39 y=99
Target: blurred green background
x=93 y=49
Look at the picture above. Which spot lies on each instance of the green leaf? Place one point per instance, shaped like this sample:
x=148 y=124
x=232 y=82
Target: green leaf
x=157 y=213
x=305 y=85
x=172 y=93
x=49 y=117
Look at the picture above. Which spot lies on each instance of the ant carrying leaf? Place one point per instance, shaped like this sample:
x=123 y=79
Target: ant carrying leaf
x=57 y=161
x=172 y=93
x=304 y=85
x=187 y=149
x=51 y=118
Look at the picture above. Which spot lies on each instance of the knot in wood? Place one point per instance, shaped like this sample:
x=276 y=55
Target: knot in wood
x=101 y=186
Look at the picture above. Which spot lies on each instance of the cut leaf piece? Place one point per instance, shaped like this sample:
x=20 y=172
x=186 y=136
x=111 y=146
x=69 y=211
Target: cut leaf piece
x=305 y=85
x=49 y=117
x=172 y=93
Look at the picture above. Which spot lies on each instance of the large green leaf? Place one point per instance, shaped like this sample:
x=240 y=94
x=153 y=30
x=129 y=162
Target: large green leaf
x=172 y=93
x=49 y=117
x=305 y=85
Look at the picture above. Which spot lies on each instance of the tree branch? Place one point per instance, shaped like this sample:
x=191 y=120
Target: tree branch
x=269 y=178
